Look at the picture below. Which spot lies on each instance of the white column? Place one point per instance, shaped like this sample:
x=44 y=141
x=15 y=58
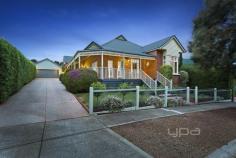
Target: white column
x=90 y=100
x=137 y=98
x=196 y=95
x=166 y=96
x=102 y=69
x=123 y=67
x=79 y=61
x=215 y=94
x=188 y=95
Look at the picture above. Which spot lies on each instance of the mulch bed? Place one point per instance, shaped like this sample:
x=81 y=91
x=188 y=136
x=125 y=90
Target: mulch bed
x=217 y=128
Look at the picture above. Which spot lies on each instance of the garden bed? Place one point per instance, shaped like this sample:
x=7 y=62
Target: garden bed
x=217 y=128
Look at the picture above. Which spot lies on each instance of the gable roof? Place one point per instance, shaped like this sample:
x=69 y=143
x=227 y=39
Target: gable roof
x=46 y=59
x=121 y=45
x=121 y=37
x=158 y=44
x=67 y=59
x=93 y=46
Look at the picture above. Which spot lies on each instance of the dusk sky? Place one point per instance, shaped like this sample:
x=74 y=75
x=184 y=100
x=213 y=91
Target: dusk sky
x=54 y=28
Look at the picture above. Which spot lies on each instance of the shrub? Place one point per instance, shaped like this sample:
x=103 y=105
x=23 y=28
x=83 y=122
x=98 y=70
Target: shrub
x=173 y=102
x=154 y=100
x=112 y=103
x=123 y=86
x=98 y=86
x=204 y=78
x=77 y=81
x=167 y=71
x=184 y=77
x=15 y=70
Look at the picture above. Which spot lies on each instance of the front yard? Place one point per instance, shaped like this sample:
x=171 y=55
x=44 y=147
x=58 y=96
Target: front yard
x=159 y=138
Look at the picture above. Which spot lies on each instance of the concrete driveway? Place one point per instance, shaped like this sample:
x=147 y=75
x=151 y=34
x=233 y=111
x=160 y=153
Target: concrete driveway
x=44 y=99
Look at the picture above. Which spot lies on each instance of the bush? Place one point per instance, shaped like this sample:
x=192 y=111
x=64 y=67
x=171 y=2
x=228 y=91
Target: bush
x=154 y=100
x=15 y=70
x=184 y=77
x=123 y=86
x=98 y=86
x=77 y=81
x=112 y=103
x=204 y=78
x=173 y=102
x=167 y=71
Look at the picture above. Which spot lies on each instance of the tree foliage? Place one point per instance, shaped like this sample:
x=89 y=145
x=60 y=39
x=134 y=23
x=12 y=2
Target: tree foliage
x=214 y=36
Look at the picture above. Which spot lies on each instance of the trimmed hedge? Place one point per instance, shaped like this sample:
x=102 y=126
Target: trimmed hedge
x=15 y=70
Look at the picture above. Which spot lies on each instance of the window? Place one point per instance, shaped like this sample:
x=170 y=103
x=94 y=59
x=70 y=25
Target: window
x=164 y=59
x=175 y=65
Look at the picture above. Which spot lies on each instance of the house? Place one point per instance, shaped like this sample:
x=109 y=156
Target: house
x=67 y=59
x=46 y=68
x=122 y=59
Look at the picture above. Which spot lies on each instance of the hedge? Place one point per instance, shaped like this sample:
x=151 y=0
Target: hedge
x=204 y=78
x=15 y=70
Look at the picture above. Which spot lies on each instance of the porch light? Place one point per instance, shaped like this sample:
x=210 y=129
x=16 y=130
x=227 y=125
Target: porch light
x=147 y=63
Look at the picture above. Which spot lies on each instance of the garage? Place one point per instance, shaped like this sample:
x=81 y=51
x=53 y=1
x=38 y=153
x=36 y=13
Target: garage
x=47 y=73
x=46 y=68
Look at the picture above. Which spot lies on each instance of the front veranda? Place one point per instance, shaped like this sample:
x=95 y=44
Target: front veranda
x=117 y=66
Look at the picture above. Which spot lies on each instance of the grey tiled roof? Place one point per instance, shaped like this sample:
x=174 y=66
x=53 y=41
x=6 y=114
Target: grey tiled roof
x=157 y=44
x=121 y=45
x=67 y=59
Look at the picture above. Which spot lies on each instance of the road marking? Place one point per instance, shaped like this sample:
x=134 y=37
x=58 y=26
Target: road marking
x=175 y=111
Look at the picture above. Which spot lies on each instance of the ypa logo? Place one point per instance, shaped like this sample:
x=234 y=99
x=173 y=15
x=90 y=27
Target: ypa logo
x=179 y=132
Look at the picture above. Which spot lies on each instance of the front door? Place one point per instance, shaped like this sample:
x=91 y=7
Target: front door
x=110 y=69
x=134 y=68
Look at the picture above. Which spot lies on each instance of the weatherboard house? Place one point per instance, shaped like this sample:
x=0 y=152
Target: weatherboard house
x=121 y=59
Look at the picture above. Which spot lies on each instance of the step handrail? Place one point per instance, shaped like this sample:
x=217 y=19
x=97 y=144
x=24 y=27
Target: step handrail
x=163 y=80
x=150 y=83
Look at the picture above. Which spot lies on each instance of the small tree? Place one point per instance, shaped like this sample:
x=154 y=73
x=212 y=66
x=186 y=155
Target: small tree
x=124 y=86
x=167 y=71
x=98 y=86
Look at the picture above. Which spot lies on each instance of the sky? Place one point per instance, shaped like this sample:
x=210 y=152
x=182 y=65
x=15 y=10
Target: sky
x=54 y=28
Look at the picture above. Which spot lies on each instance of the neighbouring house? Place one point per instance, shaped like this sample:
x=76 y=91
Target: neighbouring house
x=67 y=59
x=46 y=68
x=121 y=59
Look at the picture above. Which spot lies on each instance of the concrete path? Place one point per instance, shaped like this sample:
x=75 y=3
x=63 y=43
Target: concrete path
x=87 y=136
x=226 y=151
x=39 y=101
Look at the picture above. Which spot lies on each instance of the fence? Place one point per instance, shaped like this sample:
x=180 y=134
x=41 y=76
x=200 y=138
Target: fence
x=138 y=98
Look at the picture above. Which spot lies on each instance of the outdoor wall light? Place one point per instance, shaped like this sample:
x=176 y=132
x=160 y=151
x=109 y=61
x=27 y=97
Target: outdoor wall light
x=147 y=64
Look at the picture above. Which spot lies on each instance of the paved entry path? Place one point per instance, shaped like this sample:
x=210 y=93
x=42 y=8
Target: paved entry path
x=44 y=99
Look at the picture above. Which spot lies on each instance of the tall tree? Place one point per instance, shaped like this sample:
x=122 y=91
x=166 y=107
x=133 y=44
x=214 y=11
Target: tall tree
x=214 y=36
